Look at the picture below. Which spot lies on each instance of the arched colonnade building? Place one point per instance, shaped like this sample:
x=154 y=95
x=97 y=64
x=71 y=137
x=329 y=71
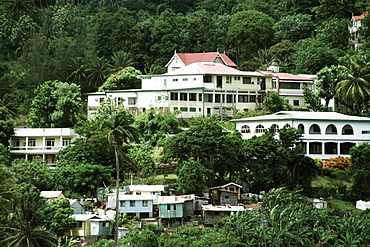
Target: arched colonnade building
x=325 y=134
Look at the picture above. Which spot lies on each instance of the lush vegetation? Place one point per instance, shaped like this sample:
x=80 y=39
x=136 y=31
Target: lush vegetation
x=53 y=52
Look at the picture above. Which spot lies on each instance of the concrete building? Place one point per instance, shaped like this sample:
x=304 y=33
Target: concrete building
x=27 y=143
x=325 y=134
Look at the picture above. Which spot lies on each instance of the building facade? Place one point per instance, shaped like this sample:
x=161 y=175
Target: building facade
x=325 y=134
x=27 y=143
x=196 y=90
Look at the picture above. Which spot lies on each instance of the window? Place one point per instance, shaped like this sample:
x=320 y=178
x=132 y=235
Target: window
x=174 y=96
x=192 y=109
x=237 y=78
x=105 y=224
x=159 y=98
x=242 y=98
x=138 y=193
x=200 y=97
x=208 y=98
x=315 y=129
x=119 y=100
x=175 y=79
x=364 y=132
x=183 y=109
x=145 y=203
x=175 y=68
x=192 y=97
x=252 y=98
x=230 y=98
x=331 y=130
x=217 y=98
x=122 y=204
x=184 y=79
x=289 y=85
x=227 y=198
x=228 y=79
x=296 y=102
x=347 y=130
x=301 y=127
x=132 y=203
x=168 y=207
x=165 y=82
x=65 y=142
x=174 y=207
x=183 y=96
x=79 y=224
x=32 y=142
x=275 y=128
x=207 y=78
x=245 y=129
x=131 y=101
x=50 y=142
x=260 y=129
x=247 y=80
x=16 y=143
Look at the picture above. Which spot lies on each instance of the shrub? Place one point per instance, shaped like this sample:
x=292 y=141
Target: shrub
x=338 y=163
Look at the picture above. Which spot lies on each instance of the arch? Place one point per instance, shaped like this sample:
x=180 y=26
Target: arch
x=245 y=129
x=301 y=127
x=315 y=129
x=347 y=130
x=331 y=130
x=275 y=128
x=260 y=129
x=287 y=126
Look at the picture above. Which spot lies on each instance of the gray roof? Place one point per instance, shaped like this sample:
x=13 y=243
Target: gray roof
x=304 y=115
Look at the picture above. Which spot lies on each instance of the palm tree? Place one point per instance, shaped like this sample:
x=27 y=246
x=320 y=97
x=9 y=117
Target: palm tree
x=98 y=72
x=24 y=224
x=354 y=88
x=77 y=70
x=120 y=60
x=120 y=132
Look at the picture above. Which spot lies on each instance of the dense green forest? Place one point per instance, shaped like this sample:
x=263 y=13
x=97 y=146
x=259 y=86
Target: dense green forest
x=83 y=42
x=54 y=52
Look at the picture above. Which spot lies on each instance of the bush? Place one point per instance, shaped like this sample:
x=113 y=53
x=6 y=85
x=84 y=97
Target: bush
x=338 y=163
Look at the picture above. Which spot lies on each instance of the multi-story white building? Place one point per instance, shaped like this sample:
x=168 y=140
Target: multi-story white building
x=197 y=90
x=325 y=134
x=27 y=143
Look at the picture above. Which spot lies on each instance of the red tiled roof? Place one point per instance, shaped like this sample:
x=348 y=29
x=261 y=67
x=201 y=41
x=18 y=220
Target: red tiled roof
x=189 y=58
x=360 y=17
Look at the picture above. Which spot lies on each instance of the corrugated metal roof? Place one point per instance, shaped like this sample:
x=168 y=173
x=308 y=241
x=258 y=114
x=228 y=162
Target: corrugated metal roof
x=223 y=208
x=150 y=188
x=50 y=194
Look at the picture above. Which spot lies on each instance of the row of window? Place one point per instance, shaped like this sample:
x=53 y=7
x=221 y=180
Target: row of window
x=49 y=142
x=217 y=98
x=314 y=129
x=329 y=147
x=132 y=203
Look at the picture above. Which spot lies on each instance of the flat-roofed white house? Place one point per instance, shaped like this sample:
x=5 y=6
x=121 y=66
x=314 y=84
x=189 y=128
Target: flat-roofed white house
x=291 y=87
x=197 y=90
x=138 y=205
x=325 y=134
x=27 y=143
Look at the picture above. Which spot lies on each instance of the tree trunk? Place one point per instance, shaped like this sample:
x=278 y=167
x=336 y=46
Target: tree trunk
x=117 y=198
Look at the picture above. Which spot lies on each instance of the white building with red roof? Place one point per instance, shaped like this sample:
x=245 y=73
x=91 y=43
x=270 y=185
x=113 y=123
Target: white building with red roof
x=201 y=89
x=180 y=60
x=354 y=30
x=197 y=90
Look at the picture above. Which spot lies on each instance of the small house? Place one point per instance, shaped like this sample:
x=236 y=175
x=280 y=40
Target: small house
x=133 y=205
x=213 y=214
x=50 y=196
x=77 y=206
x=99 y=227
x=172 y=209
x=228 y=194
x=84 y=225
